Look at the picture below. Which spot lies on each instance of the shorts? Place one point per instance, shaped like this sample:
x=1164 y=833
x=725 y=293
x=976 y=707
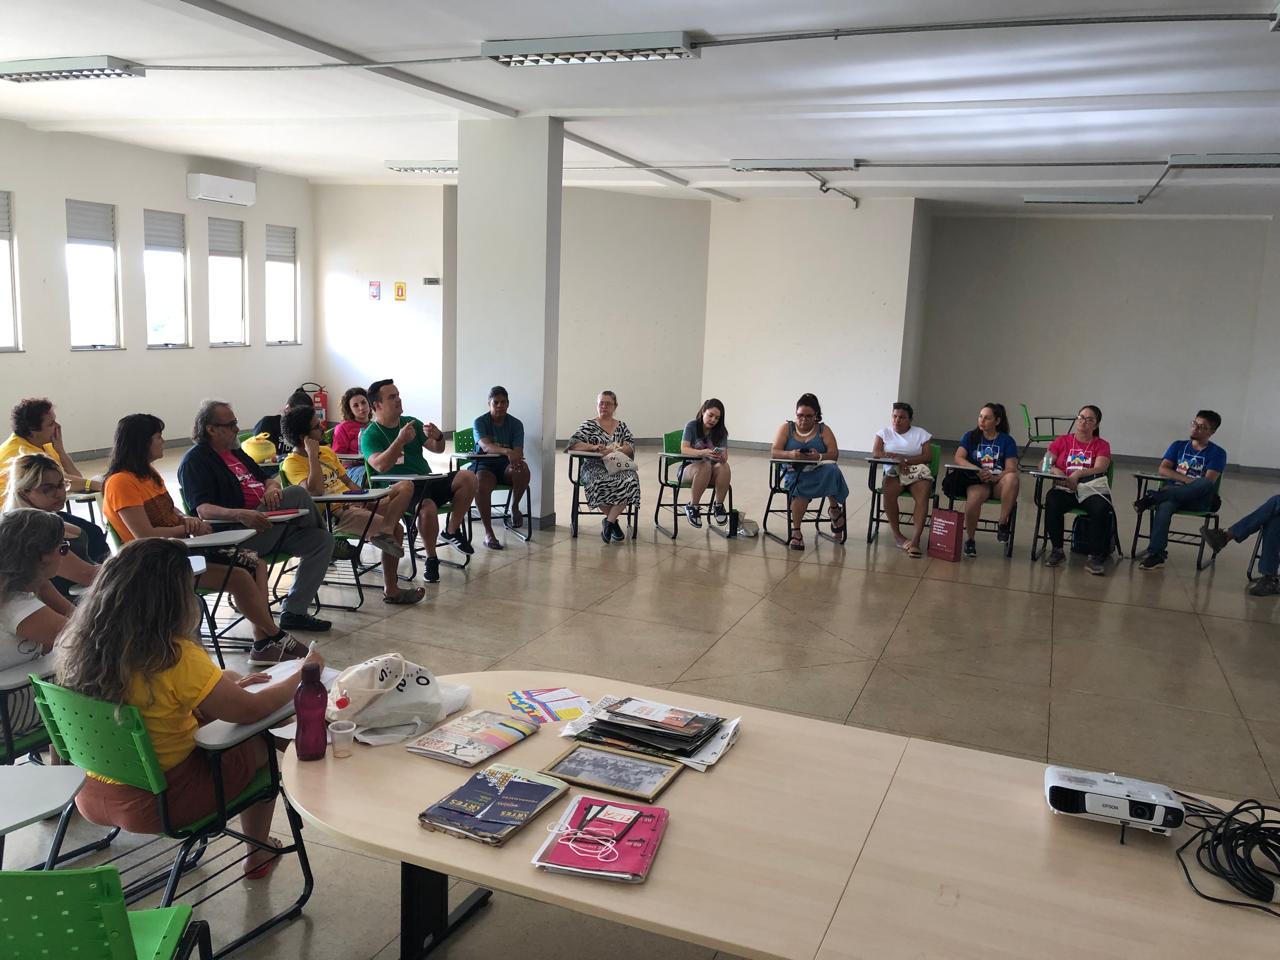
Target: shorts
x=497 y=466
x=956 y=482
x=439 y=490
x=190 y=796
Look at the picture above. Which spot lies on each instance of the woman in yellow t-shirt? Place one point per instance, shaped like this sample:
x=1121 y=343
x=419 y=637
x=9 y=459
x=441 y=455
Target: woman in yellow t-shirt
x=36 y=430
x=128 y=643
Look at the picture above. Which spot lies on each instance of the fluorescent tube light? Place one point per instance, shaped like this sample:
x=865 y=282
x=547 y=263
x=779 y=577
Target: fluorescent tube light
x=415 y=168
x=777 y=166
x=610 y=48
x=1129 y=200
x=70 y=68
x=1225 y=161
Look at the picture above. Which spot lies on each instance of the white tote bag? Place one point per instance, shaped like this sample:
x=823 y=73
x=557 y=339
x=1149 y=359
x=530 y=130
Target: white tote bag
x=389 y=699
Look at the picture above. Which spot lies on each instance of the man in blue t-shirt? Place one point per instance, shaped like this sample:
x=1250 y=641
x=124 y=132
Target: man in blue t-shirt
x=1191 y=469
x=499 y=433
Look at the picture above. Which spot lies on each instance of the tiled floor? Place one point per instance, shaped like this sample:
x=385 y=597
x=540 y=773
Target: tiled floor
x=1171 y=675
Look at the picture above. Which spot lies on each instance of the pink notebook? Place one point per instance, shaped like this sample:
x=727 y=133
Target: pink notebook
x=604 y=838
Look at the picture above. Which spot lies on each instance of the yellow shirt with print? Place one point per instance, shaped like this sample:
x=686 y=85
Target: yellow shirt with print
x=167 y=702
x=296 y=468
x=16 y=447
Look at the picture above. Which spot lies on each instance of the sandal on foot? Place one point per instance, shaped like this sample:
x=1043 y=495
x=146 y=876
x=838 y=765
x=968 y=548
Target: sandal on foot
x=914 y=552
x=405 y=596
x=493 y=543
x=797 y=542
x=837 y=519
x=263 y=871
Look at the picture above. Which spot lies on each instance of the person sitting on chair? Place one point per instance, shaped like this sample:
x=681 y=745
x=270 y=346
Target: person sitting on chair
x=130 y=643
x=271 y=424
x=221 y=482
x=909 y=445
x=36 y=430
x=1191 y=469
x=992 y=458
x=707 y=437
x=613 y=492
x=346 y=435
x=36 y=480
x=808 y=440
x=32 y=613
x=393 y=443
x=137 y=505
x=499 y=432
x=317 y=467
x=1267 y=519
x=1081 y=458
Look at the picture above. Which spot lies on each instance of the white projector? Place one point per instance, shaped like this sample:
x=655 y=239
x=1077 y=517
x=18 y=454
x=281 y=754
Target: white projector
x=1112 y=799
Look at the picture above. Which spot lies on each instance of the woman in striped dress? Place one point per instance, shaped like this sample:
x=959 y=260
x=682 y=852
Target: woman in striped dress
x=610 y=492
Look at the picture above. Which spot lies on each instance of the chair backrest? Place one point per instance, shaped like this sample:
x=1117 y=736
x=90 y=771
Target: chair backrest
x=464 y=441
x=1026 y=417
x=671 y=441
x=244 y=435
x=328 y=436
x=65 y=913
x=100 y=737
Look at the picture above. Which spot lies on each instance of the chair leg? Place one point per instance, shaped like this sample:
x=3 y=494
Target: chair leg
x=195 y=941
x=1212 y=519
x=873 y=517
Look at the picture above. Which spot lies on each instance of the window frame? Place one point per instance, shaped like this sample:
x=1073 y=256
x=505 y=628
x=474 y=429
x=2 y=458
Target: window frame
x=292 y=260
x=244 y=286
x=114 y=246
x=184 y=249
x=8 y=262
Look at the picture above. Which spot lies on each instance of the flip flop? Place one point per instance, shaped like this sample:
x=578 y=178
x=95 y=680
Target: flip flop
x=914 y=552
x=264 y=871
x=406 y=596
x=493 y=544
x=837 y=519
x=797 y=542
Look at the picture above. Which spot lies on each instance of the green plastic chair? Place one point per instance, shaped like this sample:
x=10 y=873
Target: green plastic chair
x=1040 y=537
x=464 y=442
x=1196 y=539
x=81 y=913
x=112 y=741
x=669 y=463
x=877 y=515
x=1034 y=436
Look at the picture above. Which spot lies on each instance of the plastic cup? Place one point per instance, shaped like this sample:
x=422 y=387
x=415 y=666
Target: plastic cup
x=342 y=734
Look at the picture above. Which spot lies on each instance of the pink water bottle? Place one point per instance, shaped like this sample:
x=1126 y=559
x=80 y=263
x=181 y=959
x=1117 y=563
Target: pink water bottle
x=309 y=702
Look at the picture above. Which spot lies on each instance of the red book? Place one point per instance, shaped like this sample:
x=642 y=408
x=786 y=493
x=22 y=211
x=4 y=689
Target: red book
x=604 y=838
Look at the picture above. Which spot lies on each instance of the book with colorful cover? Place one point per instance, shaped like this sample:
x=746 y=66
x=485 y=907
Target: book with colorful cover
x=472 y=737
x=493 y=804
x=604 y=838
x=549 y=704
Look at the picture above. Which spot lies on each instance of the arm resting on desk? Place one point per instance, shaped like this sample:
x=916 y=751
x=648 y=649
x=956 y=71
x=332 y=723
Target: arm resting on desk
x=221 y=735
x=235 y=704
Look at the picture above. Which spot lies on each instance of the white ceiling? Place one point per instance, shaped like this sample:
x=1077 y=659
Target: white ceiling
x=997 y=96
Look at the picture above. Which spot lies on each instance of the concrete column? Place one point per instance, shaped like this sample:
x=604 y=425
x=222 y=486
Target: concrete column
x=508 y=302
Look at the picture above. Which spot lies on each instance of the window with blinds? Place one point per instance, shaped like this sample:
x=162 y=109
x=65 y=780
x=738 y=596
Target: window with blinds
x=226 y=282
x=282 y=284
x=92 y=278
x=164 y=268
x=8 y=305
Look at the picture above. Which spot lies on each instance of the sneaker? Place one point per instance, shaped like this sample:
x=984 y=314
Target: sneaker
x=1216 y=538
x=344 y=550
x=1055 y=557
x=722 y=515
x=458 y=540
x=616 y=532
x=1096 y=565
x=276 y=650
x=1151 y=560
x=388 y=544
x=970 y=550
x=1002 y=532
x=1265 y=587
x=692 y=515
x=606 y=531
x=303 y=621
x=431 y=570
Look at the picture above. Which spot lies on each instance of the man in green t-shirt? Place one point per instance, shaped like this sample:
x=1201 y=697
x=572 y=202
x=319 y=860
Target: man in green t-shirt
x=393 y=443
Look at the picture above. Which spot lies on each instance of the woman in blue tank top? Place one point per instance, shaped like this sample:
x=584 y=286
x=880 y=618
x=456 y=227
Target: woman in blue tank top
x=810 y=442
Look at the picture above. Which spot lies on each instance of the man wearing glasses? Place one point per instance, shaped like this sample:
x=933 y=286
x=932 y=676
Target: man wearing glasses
x=221 y=482
x=1191 y=469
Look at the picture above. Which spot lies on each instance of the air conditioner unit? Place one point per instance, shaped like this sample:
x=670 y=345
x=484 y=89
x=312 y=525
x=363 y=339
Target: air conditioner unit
x=205 y=186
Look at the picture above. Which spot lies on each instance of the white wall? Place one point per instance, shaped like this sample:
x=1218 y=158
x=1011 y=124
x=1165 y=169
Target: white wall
x=387 y=234
x=92 y=390
x=1260 y=427
x=633 y=293
x=1149 y=319
x=807 y=295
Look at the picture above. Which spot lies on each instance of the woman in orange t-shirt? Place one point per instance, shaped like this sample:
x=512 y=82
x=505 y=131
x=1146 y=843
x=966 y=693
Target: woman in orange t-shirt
x=138 y=506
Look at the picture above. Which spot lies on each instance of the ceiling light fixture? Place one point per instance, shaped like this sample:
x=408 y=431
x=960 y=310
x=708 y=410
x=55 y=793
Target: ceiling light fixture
x=1131 y=200
x=610 y=48
x=1225 y=161
x=70 y=68
x=415 y=168
x=796 y=166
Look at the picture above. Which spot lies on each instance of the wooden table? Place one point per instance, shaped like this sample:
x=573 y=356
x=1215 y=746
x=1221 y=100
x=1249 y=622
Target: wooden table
x=807 y=840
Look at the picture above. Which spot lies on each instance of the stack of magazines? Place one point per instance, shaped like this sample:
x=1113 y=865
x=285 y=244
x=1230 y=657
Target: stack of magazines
x=493 y=804
x=473 y=737
x=604 y=838
x=693 y=738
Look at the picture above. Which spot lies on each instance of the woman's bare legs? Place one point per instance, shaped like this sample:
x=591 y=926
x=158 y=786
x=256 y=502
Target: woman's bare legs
x=920 y=494
x=892 y=488
x=255 y=821
x=250 y=595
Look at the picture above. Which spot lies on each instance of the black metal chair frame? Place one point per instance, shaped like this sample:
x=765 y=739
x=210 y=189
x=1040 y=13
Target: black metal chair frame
x=1253 y=559
x=1040 y=535
x=411 y=528
x=815 y=513
x=504 y=510
x=665 y=482
x=632 y=512
x=1208 y=518
x=876 y=514
x=986 y=524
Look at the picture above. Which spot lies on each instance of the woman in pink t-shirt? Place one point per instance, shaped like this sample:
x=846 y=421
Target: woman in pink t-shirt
x=346 y=435
x=1082 y=459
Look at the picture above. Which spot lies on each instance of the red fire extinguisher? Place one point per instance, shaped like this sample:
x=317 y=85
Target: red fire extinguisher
x=319 y=398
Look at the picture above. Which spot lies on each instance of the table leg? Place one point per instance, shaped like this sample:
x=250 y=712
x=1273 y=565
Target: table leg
x=425 y=918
